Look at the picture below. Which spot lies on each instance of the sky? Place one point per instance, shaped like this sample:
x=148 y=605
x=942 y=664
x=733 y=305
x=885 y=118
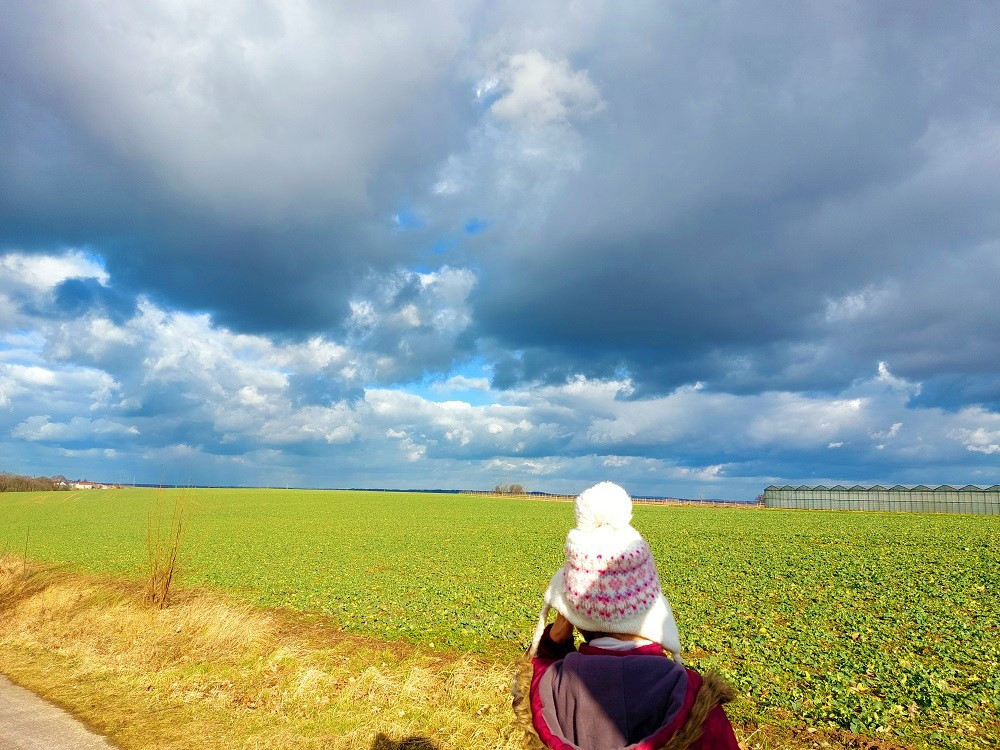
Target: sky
x=692 y=247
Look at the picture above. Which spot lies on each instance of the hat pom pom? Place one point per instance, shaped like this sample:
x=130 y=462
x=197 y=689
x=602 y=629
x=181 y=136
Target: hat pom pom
x=604 y=504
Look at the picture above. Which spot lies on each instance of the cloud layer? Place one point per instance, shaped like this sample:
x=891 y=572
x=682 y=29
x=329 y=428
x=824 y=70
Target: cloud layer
x=695 y=247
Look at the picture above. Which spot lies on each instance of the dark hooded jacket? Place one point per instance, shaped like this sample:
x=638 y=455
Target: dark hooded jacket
x=596 y=699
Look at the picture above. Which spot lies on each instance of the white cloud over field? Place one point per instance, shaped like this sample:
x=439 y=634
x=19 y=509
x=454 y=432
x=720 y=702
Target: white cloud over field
x=175 y=397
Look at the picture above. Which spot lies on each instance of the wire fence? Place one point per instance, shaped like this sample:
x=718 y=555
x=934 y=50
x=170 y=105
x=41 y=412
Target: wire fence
x=635 y=500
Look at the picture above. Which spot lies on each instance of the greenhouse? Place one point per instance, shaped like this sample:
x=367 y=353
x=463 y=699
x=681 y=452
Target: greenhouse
x=912 y=499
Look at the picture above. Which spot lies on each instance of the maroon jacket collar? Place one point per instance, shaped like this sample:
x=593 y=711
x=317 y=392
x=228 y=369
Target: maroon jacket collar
x=648 y=649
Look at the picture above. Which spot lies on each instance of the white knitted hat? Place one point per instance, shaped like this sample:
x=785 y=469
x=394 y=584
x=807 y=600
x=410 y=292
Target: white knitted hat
x=609 y=582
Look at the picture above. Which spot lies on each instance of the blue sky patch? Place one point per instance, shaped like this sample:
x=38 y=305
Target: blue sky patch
x=476 y=226
x=407 y=219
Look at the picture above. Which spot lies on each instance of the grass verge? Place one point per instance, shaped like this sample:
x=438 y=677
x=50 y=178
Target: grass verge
x=207 y=672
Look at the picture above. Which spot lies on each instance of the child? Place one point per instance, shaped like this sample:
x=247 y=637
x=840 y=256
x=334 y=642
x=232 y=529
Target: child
x=620 y=689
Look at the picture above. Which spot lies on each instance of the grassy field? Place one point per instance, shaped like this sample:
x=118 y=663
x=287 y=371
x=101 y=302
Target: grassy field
x=885 y=626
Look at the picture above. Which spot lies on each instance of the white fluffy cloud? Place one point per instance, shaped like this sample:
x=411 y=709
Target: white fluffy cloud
x=43 y=272
x=537 y=91
x=984 y=439
x=163 y=375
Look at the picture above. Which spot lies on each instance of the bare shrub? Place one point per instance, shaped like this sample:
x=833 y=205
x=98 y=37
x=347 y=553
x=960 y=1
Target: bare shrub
x=162 y=549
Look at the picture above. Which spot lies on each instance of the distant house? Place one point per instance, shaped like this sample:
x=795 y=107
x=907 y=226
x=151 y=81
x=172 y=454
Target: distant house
x=83 y=484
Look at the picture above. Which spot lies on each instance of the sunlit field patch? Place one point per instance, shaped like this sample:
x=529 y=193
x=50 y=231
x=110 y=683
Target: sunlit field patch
x=877 y=624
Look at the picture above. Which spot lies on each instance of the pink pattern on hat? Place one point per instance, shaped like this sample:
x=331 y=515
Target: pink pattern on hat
x=612 y=588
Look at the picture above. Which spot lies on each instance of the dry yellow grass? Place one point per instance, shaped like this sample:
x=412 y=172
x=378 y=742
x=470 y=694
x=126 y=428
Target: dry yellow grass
x=207 y=672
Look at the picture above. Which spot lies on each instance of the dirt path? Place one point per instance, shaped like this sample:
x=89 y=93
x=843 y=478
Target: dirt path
x=29 y=723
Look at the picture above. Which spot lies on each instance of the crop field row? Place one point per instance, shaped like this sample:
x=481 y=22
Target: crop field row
x=886 y=625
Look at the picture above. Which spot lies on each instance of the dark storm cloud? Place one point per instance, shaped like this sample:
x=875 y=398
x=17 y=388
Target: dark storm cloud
x=242 y=160
x=673 y=191
x=750 y=167
x=952 y=392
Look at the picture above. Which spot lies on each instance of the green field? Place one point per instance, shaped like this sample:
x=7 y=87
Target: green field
x=886 y=625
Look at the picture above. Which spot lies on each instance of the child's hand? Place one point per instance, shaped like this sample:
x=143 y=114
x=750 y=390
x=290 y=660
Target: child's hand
x=562 y=629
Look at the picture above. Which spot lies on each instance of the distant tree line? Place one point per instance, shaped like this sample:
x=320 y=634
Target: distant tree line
x=509 y=489
x=21 y=483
